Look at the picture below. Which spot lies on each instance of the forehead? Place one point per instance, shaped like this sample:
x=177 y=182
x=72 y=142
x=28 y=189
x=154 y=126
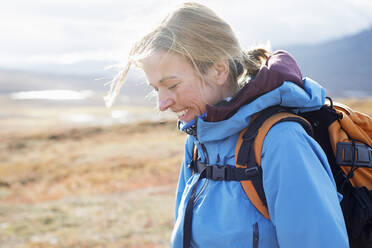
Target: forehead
x=163 y=64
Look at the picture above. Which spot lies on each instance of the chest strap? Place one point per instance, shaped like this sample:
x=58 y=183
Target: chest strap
x=226 y=172
x=217 y=173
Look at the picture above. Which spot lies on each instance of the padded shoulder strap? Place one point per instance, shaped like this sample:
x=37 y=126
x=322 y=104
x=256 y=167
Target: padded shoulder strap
x=270 y=122
x=249 y=147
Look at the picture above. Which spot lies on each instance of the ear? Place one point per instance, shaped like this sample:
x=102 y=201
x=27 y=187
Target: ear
x=221 y=71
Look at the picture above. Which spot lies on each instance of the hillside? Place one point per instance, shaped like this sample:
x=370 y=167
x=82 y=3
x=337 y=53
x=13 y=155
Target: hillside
x=17 y=80
x=342 y=66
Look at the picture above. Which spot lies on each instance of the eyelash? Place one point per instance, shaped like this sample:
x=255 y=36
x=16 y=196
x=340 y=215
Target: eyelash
x=172 y=87
x=169 y=88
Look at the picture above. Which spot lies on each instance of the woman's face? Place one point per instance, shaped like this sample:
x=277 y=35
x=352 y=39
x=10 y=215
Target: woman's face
x=178 y=86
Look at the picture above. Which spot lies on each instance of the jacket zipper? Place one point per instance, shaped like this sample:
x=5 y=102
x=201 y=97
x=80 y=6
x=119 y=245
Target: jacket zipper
x=206 y=180
x=255 y=235
x=187 y=225
x=201 y=191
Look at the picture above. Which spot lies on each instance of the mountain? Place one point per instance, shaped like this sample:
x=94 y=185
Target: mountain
x=342 y=66
x=18 y=80
x=15 y=80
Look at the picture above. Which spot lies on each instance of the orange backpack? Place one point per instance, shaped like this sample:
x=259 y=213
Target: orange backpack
x=345 y=136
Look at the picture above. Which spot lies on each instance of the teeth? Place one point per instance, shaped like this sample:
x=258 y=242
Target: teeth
x=181 y=113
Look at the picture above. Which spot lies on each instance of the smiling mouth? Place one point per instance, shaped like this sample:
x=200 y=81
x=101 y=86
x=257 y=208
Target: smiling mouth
x=181 y=113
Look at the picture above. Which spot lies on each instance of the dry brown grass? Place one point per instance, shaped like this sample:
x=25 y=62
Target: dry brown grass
x=362 y=105
x=92 y=160
x=93 y=187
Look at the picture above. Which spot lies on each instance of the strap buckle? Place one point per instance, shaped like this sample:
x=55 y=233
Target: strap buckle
x=215 y=172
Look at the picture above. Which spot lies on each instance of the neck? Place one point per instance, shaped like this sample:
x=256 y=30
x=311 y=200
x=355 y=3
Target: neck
x=228 y=91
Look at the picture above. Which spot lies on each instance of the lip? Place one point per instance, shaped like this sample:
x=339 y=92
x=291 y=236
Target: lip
x=182 y=114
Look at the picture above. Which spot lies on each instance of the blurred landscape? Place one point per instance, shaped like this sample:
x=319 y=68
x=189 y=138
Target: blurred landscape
x=90 y=187
x=76 y=174
x=95 y=186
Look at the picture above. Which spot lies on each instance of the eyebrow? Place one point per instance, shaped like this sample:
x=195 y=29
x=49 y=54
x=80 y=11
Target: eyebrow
x=167 y=78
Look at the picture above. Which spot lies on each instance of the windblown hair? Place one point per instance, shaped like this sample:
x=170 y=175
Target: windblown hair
x=203 y=38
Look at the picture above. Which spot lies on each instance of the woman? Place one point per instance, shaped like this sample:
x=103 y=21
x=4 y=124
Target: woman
x=199 y=71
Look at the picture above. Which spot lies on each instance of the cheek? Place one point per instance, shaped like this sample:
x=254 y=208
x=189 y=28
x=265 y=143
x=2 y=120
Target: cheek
x=194 y=100
x=189 y=95
x=211 y=94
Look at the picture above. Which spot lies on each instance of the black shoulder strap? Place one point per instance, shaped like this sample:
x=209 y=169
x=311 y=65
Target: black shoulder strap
x=249 y=148
x=246 y=169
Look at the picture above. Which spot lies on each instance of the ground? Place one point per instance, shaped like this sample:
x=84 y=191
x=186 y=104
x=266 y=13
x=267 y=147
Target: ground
x=90 y=187
x=96 y=186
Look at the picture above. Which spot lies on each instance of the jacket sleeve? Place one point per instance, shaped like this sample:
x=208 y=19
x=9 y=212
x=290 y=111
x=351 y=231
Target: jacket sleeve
x=301 y=194
x=185 y=173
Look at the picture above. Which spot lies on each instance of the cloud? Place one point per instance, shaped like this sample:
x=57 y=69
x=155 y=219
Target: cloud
x=292 y=22
x=73 y=30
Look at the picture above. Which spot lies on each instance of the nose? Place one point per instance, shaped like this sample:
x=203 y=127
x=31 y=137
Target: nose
x=164 y=105
x=164 y=101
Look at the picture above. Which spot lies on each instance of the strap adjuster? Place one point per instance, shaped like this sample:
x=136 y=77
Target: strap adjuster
x=354 y=154
x=250 y=172
x=191 y=165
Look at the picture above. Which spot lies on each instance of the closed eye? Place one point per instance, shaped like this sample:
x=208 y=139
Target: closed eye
x=173 y=86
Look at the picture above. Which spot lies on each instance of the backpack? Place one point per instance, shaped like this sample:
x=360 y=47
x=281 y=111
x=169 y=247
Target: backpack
x=345 y=136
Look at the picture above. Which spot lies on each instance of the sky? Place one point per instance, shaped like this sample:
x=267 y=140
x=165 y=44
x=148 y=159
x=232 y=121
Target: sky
x=70 y=31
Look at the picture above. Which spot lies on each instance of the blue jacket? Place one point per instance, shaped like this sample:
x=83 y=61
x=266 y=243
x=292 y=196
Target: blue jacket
x=301 y=194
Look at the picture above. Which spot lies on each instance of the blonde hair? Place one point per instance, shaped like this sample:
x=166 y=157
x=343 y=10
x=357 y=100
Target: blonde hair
x=203 y=38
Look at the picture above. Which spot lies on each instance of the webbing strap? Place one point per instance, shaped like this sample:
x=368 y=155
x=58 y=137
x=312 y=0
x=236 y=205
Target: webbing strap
x=226 y=172
x=187 y=224
x=212 y=172
x=246 y=160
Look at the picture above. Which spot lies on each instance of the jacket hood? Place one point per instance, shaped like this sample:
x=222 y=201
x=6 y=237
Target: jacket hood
x=279 y=67
x=310 y=97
